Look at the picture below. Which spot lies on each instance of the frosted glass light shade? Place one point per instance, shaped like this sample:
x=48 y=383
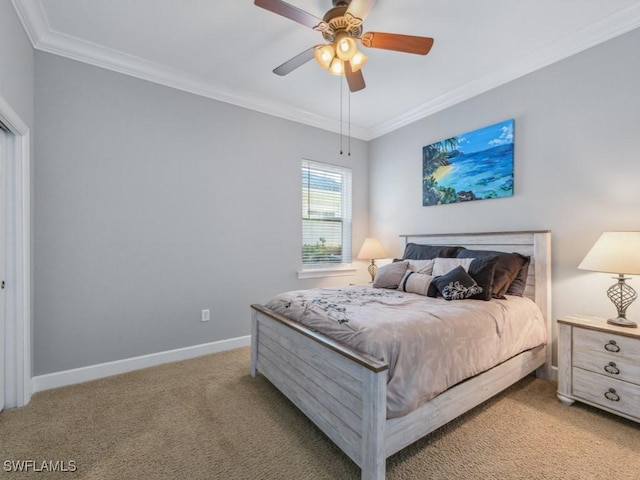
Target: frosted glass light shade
x=345 y=48
x=358 y=61
x=371 y=249
x=336 y=67
x=614 y=252
x=324 y=55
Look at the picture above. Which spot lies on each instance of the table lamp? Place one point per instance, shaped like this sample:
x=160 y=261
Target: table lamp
x=372 y=249
x=617 y=252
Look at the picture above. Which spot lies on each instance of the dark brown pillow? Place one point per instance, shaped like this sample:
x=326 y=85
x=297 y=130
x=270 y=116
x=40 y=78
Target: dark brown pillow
x=482 y=270
x=506 y=270
x=519 y=283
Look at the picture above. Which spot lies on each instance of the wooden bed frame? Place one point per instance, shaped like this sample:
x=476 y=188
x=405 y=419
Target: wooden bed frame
x=343 y=391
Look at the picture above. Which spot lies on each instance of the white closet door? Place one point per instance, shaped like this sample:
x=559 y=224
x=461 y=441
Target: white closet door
x=3 y=195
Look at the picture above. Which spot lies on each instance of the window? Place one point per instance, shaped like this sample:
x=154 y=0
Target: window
x=326 y=215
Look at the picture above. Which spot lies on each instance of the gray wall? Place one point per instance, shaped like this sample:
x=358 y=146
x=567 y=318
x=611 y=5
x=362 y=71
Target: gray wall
x=16 y=64
x=152 y=204
x=16 y=89
x=577 y=166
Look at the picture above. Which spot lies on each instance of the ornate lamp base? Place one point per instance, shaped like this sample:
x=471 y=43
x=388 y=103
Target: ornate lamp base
x=622 y=295
x=373 y=268
x=622 y=322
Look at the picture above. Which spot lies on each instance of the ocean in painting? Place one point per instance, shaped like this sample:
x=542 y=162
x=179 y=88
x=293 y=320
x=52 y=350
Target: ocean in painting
x=488 y=174
x=472 y=166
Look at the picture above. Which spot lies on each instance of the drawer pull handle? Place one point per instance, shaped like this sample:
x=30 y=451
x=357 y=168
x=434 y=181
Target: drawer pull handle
x=612 y=369
x=612 y=395
x=612 y=346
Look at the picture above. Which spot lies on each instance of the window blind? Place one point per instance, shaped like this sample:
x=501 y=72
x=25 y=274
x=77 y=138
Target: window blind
x=326 y=214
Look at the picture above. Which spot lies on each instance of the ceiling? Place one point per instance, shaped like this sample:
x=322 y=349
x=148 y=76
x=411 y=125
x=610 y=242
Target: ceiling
x=227 y=49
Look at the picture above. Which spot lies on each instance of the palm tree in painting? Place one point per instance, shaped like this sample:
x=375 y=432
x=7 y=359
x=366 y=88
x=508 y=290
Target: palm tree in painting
x=437 y=155
x=449 y=145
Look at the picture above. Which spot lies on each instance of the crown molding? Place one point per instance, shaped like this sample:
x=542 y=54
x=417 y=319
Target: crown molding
x=33 y=19
x=610 y=27
x=45 y=39
x=99 y=56
x=42 y=37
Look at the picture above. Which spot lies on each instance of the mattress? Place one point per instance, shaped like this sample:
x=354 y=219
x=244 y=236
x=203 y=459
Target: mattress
x=430 y=344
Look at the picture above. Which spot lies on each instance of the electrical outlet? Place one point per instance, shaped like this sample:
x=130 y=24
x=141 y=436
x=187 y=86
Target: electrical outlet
x=206 y=315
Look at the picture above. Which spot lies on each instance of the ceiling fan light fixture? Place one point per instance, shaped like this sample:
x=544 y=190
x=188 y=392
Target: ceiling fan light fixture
x=336 y=67
x=341 y=27
x=345 y=47
x=358 y=61
x=324 y=55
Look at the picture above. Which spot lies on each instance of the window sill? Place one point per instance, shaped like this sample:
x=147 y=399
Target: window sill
x=338 y=271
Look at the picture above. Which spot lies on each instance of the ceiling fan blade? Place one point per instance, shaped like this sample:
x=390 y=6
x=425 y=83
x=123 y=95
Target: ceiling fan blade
x=295 y=62
x=361 y=8
x=290 y=12
x=354 y=79
x=399 y=43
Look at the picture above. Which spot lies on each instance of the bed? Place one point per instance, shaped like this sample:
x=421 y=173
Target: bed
x=344 y=391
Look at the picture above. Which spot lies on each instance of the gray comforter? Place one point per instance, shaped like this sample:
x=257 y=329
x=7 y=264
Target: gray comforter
x=430 y=344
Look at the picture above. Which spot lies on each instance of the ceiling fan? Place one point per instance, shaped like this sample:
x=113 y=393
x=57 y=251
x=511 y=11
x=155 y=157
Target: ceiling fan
x=341 y=26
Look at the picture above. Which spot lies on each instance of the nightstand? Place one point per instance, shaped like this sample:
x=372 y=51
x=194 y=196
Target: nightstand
x=599 y=364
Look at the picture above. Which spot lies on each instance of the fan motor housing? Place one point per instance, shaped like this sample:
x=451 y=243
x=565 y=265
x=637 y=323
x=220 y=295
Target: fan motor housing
x=338 y=21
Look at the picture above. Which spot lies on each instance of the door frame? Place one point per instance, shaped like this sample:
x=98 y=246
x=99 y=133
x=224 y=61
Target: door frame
x=18 y=253
x=4 y=150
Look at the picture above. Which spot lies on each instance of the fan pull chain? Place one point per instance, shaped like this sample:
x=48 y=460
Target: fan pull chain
x=342 y=119
x=341 y=122
x=349 y=130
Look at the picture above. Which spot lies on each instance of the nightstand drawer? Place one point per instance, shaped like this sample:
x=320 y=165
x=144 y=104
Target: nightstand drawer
x=607 y=343
x=599 y=364
x=607 y=364
x=607 y=392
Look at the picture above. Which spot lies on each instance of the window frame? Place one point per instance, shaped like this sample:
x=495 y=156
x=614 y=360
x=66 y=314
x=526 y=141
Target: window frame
x=328 y=269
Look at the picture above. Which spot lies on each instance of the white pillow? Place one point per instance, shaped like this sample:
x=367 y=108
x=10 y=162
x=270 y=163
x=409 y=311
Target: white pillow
x=421 y=266
x=414 y=282
x=443 y=266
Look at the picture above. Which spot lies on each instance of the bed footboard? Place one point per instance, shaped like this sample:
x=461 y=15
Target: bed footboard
x=342 y=391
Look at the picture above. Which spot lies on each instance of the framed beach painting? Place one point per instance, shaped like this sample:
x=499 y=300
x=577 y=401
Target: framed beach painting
x=473 y=166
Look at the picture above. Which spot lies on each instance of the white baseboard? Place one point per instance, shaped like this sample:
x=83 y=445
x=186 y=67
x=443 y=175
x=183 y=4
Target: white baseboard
x=94 y=372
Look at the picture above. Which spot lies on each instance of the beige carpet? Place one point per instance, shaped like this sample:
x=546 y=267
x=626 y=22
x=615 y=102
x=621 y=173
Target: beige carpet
x=207 y=418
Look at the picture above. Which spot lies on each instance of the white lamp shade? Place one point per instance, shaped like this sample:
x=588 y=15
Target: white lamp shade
x=372 y=249
x=614 y=252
